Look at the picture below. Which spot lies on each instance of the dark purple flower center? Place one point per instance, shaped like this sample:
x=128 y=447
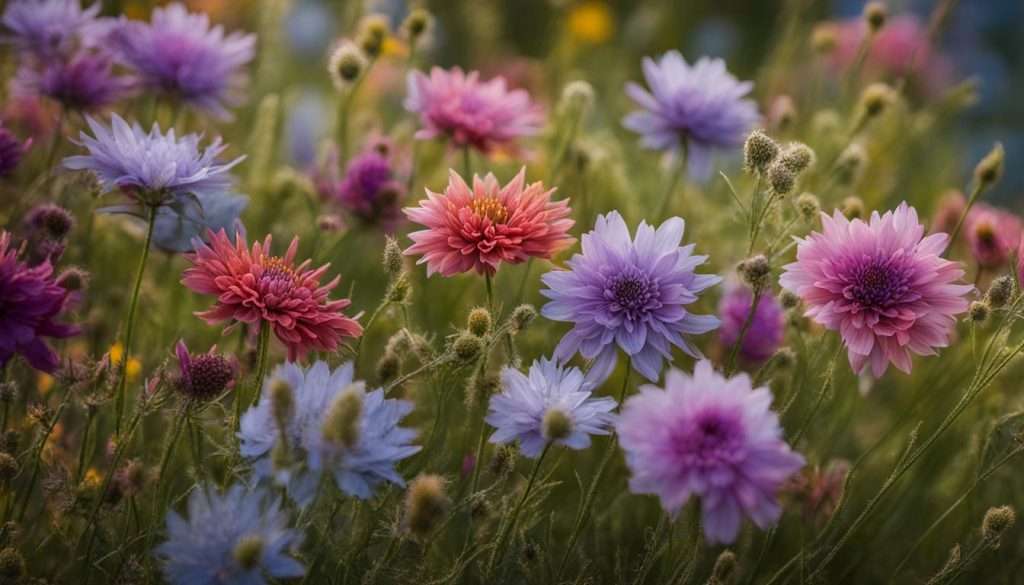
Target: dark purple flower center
x=713 y=438
x=877 y=284
x=633 y=293
x=210 y=374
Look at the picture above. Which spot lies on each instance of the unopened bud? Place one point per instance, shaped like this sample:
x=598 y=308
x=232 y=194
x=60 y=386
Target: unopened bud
x=990 y=169
x=467 y=348
x=556 y=425
x=876 y=98
x=824 y=38
x=522 y=316
x=809 y=206
x=784 y=358
x=1000 y=291
x=248 y=551
x=346 y=64
x=577 y=97
x=997 y=521
x=73 y=279
x=724 y=572
x=479 y=321
x=759 y=151
x=503 y=461
x=979 y=311
x=797 y=157
x=425 y=504
x=789 y=299
x=373 y=30
x=399 y=290
x=781 y=179
x=393 y=260
x=417 y=23
x=853 y=207
x=875 y=14
x=850 y=163
x=755 y=271
x=329 y=222
x=341 y=426
x=782 y=113
x=388 y=367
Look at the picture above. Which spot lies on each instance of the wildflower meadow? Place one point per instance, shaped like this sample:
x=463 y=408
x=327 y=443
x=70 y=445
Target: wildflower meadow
x=540 y=292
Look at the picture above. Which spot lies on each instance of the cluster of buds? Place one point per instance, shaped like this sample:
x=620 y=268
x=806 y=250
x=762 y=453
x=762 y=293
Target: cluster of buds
x=782 y=166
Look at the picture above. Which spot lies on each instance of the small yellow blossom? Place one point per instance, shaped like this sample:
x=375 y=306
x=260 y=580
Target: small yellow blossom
x=591 y=22
x=116 y=352
x=394 y=47
x=92 y=478
x=44 y=382
x=133 y=369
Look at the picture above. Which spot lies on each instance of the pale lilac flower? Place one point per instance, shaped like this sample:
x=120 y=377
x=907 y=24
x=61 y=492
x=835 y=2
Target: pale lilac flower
x=697 y=108
x=629 y=294
x=518 y=412
x=47 y=29
x=881 y=284
x=709 y=437
x=84 y=82
x=180 y=54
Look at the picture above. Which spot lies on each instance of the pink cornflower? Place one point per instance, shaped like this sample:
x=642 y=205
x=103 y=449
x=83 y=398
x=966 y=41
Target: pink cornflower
x=881 y=284
x=481 y=227
x=253 y=286
x=470 y=112
x=992 y=234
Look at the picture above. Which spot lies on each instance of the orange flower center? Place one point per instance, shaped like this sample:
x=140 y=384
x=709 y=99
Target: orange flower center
x=490 y=207
x=275 y=268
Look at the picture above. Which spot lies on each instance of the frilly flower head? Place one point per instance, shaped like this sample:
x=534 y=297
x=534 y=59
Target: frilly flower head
x=709 y=437
x=47 y=29
x=253 y=286
x=630 y=294
x=84 y=82
x=181 y=55
x=522 y=409
x=239 y=537
x=698 y=108
x=369 y=190
x=469 y=112
x=367 y=459
x=478 y=228
x=881 y=284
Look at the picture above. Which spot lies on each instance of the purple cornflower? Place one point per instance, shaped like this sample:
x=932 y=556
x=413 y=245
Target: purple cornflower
x=85 y=82
x=712 y=437
x=31 y=301
x=161 y=169
x=699 y=109
x=766 y=328
x=178 y=53
x=11 y=151
x=520 y=411
x=629 y=293
x=49 y=28
x=369 y=190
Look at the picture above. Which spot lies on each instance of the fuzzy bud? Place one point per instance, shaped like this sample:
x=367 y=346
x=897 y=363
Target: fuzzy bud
x=997 y=521
x=479 y=321
x=797 y=157
x=425 y=504
x=400 y=288
x=990 y=169
x=980 y=311
x=781 y=179
x=8 y=467
x=467 y=348
x=875 y=99
x=388 y=367
x=850 y=163
x=52 y=221
x=373 y=30
x=557 y=425
x=393 y=261
x=577 y=97
x=346 y=64
x=789 y=300
x=809 y=206
x=73 y=279
x=503 y=461
x=329 y=222
x=417 y=23
x=522 y=316
x=824 y=39
x=759 y=151
x=1000 y=291
x=12 y=565
x=755 y=271
x=282 y=402
x=342 y=423
x=248 y=551
x=784 y=358
x=875 y=14
x=724 y=572
x=853 y=207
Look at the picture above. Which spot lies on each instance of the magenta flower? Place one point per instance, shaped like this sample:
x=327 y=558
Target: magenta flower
x=766 y=328
x=369 y=190
x=11 y=151
x=992 y=234
x=711 y=437
x=85 y=82
x=470 y=112
x=882 y=285
x=31 y=302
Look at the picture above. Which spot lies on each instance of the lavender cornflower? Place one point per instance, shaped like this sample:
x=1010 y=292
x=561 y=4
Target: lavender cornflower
x=528 y=403
x=159 y=169
x=240 y=537
x=179 y=54
x=711 y=437
x=176 y=231
x=85 y=82
x=699 y=109
x=359 y=456
x=630 y=293
x=11 y=151
x=766 y=327
x=48 y=28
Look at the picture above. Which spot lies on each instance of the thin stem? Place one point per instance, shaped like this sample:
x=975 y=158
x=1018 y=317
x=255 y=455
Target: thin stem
x=467 y=164
x=677 y=176
x=261 y=363
x=82 y=448
x=499 y=549
x=730 y=365
x=963 y=215
x=129 y=329
x=490 y=292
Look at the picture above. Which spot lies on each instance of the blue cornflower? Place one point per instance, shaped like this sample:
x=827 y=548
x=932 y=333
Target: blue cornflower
x=365 y=456
x=526 y=404
x=50 y=28
x=631 y=294
x=179 y=54
x=240 y=537
x=176 y=232
x=155 y=168
x=699 y=108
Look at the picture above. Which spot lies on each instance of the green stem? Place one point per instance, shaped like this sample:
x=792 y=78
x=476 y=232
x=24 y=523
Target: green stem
x=677 y=176
x=82 y=447
x=467 y=165
x=730 y=365
x=499 y=548
x=261 y=363
x=129 y=329
x=490 y=292
x=963 y=216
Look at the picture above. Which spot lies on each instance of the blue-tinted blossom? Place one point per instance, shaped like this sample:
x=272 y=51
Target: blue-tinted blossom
x=240 y=537
x=379 y=442
x=177 y=232
x=629 y=294
x=518 y=412
x=84 y=82
x=697 y=108
x=180 y=54
x=47 y=29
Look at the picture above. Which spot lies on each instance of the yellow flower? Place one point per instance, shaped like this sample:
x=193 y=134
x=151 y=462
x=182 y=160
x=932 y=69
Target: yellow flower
x=92 y=478
x=394 y=47
x=591 y=22
x=44 y=382
x=116 y=352
x=133 y=369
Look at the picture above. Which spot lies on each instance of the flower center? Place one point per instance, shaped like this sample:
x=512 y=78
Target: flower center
x=876 y=285
x=211 y=374
x=715 y=438
x=490 y=207
x=633 y=293
x=276 y=270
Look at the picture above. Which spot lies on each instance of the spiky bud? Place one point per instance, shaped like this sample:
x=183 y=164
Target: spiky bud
x=997 y=521
x=467 y=348
x=853 y=207
x=784 y=358
x=781 y=179
x=556 y=425
x=990 y=169
x=400 y=288
x=789 y=300
x=417 y=23
x=809 y=206
x=73 y=279
x=51 y=221
x=425 y=504
x=248 y=551
x=503 y=461
x=282 y=402
x=755 y=271
x=393 y=260
x=346 y=64
x=980 y=311
x=389 y=366
x=373 y=30
x=875 y=14
x=341 y=426
x=1000 y=291
x=724 y=572
x=797 y=157
x=759 y=151
x=522 y=316
x=479 y=321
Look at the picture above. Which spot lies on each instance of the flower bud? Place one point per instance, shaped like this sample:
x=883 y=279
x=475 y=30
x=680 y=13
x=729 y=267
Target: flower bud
x=797 y=157
x=875 y=14
x=330 y=222
x=784 y=358
x=789 y=299
x=809 y=206
x=824 y=39
x=875 y=99
x=724 y=572
x=1000 y=291
x=417 y=23
x=755 y=271
x=850 y=163
x=979 y=311
x=393 y=261
x=990 y=169
x=479 y=321
x=997 y=521
x=853 y=207
x=503 y=461
x=759 y=151
x=12 y=565
x=73 y=279
x=557 y=425
x=577 y=97
x=389 y=366
x=425 y=504
x=467 y=348
x=522 y=316
x=8 y=467
x=373 y=30
x=400 y=288
x=341 y=426
x=248 y=551
x=346 y=64
x=782 y=113
x=282 y=402
x=781 y=178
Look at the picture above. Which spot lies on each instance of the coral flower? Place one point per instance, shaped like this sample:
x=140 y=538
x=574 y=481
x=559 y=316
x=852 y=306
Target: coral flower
x=470 y=112
x=480 y=227
x=252 y=286
x=712 y=437
x=992 y=235
x=881 y=285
